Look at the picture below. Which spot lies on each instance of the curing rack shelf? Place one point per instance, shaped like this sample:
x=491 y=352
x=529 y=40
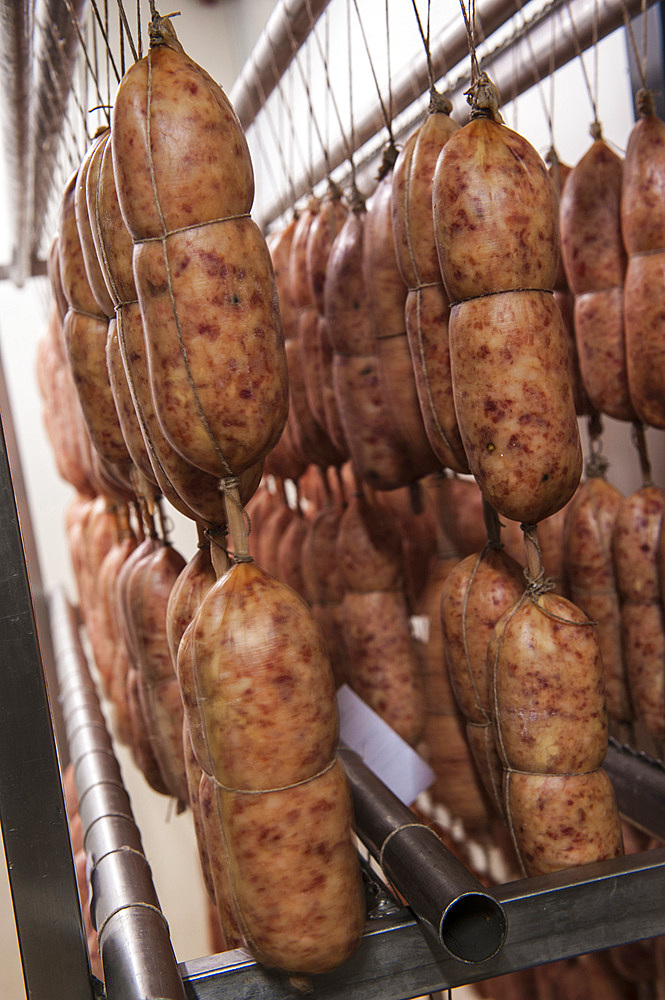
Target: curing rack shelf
x=547 y=918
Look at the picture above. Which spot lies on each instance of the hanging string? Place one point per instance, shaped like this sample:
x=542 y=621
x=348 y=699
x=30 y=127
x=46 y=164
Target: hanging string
x=640 y=58
x=391 y=108
x=275 y=133
x=127 y=31
x=77 y=27
x=351 y=118
x=536 y=75
x=326 y=69
x=551 y=74
x=121 y=34
x=62 y=96
x=287 y=104
x=470 y=25
x=596 y=61
x=425 y=38
x=109 y=57
x=139 y=31
x=595 y=128
x=308 y=92
x=386 y=118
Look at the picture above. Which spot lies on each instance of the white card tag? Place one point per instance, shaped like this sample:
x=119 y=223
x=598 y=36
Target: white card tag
x=384 y=752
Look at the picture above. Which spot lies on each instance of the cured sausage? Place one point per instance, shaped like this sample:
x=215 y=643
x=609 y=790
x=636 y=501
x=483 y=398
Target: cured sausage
x=643 y=229
x=496 y=228
x=203 y=272
x=265 y=730
x=595 y=264
x=426 y=304
x=589 y=525
x=387 y=293
x=635 y=549
x=474 y=596
x=550 y=723
x=379 y=458
x=383 y=665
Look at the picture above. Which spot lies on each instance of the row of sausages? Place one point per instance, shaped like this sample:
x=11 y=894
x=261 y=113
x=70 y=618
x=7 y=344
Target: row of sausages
x=419 y=333
x=218 y=674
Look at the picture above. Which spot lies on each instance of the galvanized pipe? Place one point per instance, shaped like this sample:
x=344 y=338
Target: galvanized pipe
x=443 y=894
x=287 y=29
x=134 y=941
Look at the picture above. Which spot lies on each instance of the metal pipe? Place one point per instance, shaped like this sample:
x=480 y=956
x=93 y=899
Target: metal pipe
x=514 y=67
x=288 y=27
x=134 y=941
x=55 y=50
x=639 y=786
x=16 y=23
x=443 y=894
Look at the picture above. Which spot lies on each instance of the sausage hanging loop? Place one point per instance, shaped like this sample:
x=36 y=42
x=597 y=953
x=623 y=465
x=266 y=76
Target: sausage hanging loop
x=237 y=518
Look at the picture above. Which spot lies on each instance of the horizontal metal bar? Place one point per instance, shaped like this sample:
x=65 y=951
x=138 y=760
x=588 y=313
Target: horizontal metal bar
x=288 y=27
x=35 y=831
x=549 y=918
x=134 y=941
x=639 y=786
x=515 y=66
x=444 y=895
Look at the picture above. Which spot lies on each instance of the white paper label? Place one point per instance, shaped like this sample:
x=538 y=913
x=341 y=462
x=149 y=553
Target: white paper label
x=384 y=752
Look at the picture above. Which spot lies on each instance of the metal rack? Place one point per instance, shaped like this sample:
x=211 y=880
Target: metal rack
x=546 y=918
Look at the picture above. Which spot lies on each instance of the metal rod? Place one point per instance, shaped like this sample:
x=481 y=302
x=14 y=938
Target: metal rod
x=549 y=918
x=287 y=29
x=35 y=831
x=512 y=67
x=16 y=24
x=443 y=894
x=639 y=786
x=134 y=941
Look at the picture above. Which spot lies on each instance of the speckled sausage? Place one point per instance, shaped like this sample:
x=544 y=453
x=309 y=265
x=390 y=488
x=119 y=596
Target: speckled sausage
x=316 y=351
x=323 y=581
x=474 y=596
x=559 y=174
x=458 y=785
x=635 y=549
x=189 y=589
x=589 y=524
x=269 y=725
x=509 y=355
x=595 y=263
x=383 y=665
x=387 y=295
x=551 y=731
x=203 y=273
x=426 y=308
x=85 y=328
x=643 y=228
x=379 y=457
x=84 y=224
x=148 y=590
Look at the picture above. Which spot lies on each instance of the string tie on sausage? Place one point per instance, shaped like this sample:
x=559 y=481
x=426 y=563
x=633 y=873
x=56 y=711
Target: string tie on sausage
x=90 y=315
x=648 y=253
x=229 y=486
x=502 y=291
x=185 y=229
x=280 y=788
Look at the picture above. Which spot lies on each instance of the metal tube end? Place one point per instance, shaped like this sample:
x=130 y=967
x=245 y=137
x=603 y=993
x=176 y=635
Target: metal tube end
x=473 y=927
